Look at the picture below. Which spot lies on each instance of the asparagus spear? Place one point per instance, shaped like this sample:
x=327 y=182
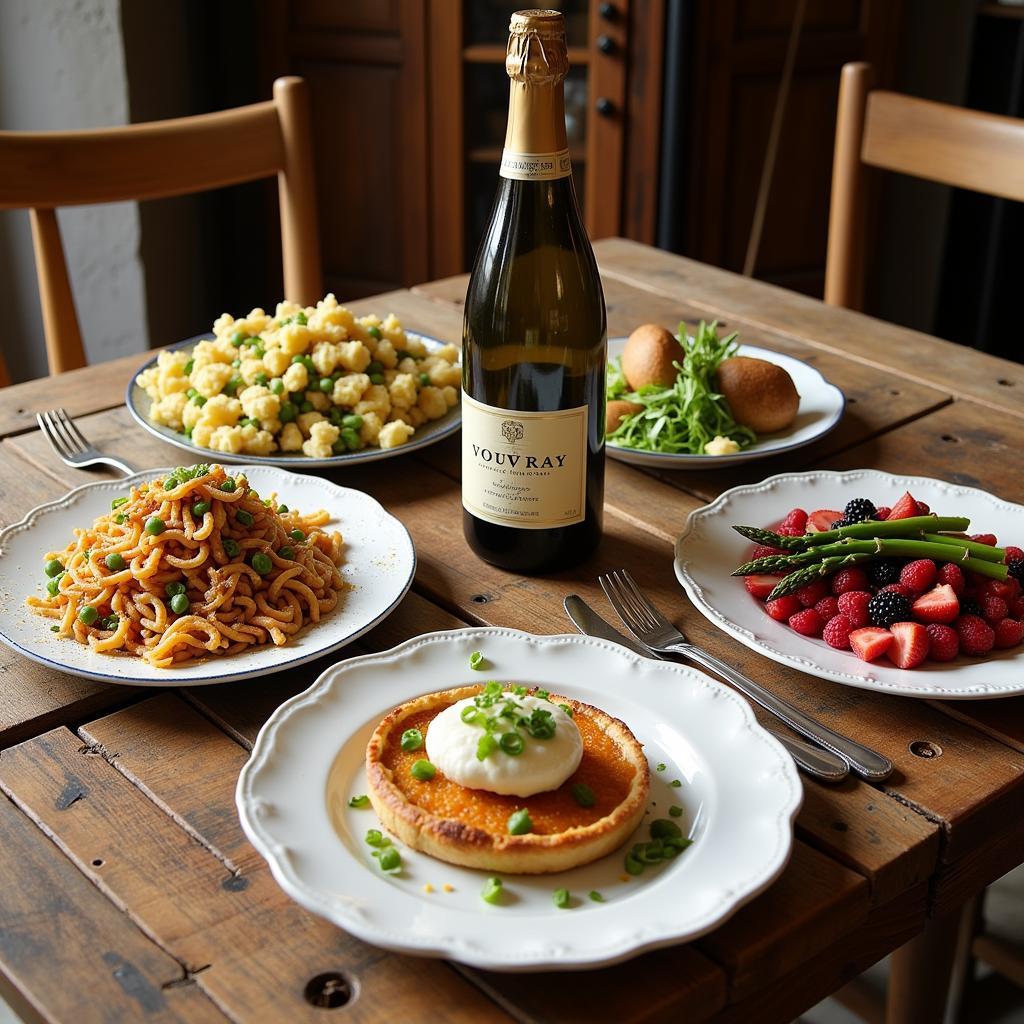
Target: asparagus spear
x=911 y=527
x=983 y=551
x=795 y=580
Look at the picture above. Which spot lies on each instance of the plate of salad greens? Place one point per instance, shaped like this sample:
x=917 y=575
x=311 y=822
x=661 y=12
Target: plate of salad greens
x=671 y=426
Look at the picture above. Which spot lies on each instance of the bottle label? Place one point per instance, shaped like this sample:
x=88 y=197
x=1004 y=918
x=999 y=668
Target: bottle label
x=535 y=166
x=524 y=469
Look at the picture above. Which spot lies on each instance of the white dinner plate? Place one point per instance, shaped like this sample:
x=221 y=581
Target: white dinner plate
x=139 y=403
x=821 y=409
x=709 y=549
x=739 y=793
x=380 y=562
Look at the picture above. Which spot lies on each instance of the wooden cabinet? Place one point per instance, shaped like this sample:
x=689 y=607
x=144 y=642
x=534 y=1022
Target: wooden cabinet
x=409 y=105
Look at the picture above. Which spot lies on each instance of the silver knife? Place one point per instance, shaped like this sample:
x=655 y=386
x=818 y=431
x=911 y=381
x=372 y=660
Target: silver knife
x=816 y=761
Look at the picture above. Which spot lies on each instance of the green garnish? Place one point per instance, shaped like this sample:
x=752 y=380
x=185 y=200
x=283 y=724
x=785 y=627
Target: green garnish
x=412 y=739
x=422 y=770
x=281 y=509
x=374 y=332
x=359 y=802
x=174 y=588
x=675 y=811
x=675 y=783
x=686 y=415
x=228 y=485
x=633 y=866
x=661 y=766
x=390 y=860
x=200 y=508
x=53 y=585
x=476 y=661
x=55 y=629
x=53 y=567
x=245 y=518
x=117 y=503
x=485 y=746
x=87 y=615
x=583 y=795
x=262 y=563
x=114 y=561
x=231 y=548
x=566 y=709
x=520 y=822
x=374 y=837
x=120 y=518
x=560 y=898
x=287 y=552
x=512 y=743
x=662 y=828
x=595 y=896
x=424 y=379
x=297 y=535
x=492 y=891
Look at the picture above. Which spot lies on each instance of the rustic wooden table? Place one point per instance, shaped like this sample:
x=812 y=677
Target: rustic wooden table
x=129 y=891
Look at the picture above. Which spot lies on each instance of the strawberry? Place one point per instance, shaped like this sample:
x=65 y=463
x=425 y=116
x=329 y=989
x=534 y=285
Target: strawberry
x=985 y=538
x=796 y=519
x=954 y=576
x=918 y=575
x=904 y=508
x=923 y=509
x=944 y=643
x=870 y=642
x=806 y=623
x=849 y=579
x=909 y=644
x=976 y=635
x=994 y=609
x=1006 y=589
x=811 y=593
x=854 y=605
x=783 y=607
x=1009 y=633
x=763 y=551
x=760 y=586
x=940 y=604
x=827 y=607
x=789 y=531
x=822 y=520
x=882 y=512
x=837 y=633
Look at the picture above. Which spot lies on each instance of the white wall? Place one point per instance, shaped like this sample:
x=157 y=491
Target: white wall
x=62 y=66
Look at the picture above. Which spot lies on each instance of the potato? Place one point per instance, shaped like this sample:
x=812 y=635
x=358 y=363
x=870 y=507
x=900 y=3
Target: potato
x=648 y=357
x=760 y=394
x=617 y=411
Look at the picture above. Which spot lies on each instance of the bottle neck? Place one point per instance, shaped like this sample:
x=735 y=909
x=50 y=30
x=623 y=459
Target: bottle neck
x=535 y=143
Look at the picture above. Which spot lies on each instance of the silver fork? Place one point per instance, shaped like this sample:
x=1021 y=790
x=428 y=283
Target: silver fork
x=653 y=630
x=69 y=443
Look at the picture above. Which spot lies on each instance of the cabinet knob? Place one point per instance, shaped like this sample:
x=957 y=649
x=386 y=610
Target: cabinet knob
x=604 y=106
x=606 y=44
x=607 y=11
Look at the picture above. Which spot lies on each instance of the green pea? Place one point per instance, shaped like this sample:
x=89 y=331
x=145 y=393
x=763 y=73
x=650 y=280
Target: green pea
x=191 y=392
x=334 y=414
x=339 y=447
x=236 y=363
x=261 y=378
x=296 y=359
x=115 y=562
x=374 y=332
x=306 y=407
x=231 y=547
x=120 y=518
x=412 y=739
x=199 y=400
x=189 y=366
x=245 y=518
x=583 y=795
x=288 y=412
x=262 y=563
x=117 y=503
x=560 y=898
x=286 y=552
x=87 y=615
x=155 y=526
x=53 y=586
x=170 y=483
x=238 y=339
x=259 y=351
x=281 y=509
x=422 y=770
x=424 y=379
x=520 y=822
x=200 y=508
x=228 y=485
x=374 y=367
x=326 y=385
x=376 y=378
x=179 y=604
x=53 y=567
x=277 y=386
x=177 y=587
x=492 y=891
x=232 y=386
x=307 y=362
x=297 y=535
x=353 y=420
x=350 y=437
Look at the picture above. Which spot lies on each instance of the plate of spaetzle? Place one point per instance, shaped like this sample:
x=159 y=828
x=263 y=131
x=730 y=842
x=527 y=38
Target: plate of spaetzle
x=198 y=574
x=309 y=386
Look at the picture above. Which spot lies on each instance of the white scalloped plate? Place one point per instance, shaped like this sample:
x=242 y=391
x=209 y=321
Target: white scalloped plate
x=821 y=409
x=380 y=562
x=139 y=402
x=739 y=794
x=709 y=549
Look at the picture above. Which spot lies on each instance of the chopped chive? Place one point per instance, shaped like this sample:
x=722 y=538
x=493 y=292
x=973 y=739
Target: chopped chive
x=359 y=801
x=560 y=898
x=118 y=502
x=520 y=822
x=662 y=828
x=675 y=811
x=374 y=837
x=675 y=783
x=492 y=891
x=476 y=661
x=583 y=795
x=412 y=739
x=485 y=746
x=595 y=896
x=633 y=866
x=390 y=860
x=422 y=770
x=661 y=766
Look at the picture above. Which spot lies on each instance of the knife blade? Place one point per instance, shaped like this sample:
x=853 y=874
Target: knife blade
x=816 y=761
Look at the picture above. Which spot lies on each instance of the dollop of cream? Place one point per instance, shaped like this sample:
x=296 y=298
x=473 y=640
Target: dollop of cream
x=543 y=765
x=719 y=445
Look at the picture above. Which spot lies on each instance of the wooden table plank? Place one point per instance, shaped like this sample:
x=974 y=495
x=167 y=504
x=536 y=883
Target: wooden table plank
x=250 y=949
x=67 y=953
x=952 y=368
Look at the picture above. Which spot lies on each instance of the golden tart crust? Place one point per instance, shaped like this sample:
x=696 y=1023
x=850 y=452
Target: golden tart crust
x=469 y=826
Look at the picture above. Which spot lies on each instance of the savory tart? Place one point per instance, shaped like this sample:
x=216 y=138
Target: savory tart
x=574 y=781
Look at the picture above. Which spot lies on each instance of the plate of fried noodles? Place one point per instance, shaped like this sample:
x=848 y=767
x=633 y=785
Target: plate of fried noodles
x=197 y=574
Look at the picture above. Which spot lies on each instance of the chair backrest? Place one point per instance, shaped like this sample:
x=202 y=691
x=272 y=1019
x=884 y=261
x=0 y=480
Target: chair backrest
x=966 y=148
x=44 y=170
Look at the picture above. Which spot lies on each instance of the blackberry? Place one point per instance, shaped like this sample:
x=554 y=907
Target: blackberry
x=841 y=522
x=968 y=606
x=884 y=571
x=859 y=509
x=1015 y=568
x=885 y=609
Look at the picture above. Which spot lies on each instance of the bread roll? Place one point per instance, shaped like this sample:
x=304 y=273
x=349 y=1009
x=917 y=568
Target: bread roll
x=760 y=394
x=648 y=357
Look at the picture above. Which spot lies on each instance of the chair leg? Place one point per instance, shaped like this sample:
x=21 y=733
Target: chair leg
x=920 y=973
x=962 y=972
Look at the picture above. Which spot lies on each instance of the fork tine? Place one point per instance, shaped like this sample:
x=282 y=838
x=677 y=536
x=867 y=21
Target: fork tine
x=634 y=601
x=70 y=444
x=612 y=587
x=72 y=429
x=56 y=441
x=653 y=614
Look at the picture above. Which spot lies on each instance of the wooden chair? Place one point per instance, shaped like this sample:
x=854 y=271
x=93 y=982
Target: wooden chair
x=44 y=170
x=950 y=145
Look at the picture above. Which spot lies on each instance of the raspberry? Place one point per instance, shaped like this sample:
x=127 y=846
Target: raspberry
x=1009 y=633
x=1017 y=608
x=796 y=519
x=985 y=538
x=954 y=576
x=1012 y=552
x=807 y=623
x=827 y=607
x=918 y=575
x=897 y=588
x=885 y=608
x=882 y=512
x=783 y=607
x=945 y=643
x=976 y=635
x=923 y=508
x=811 y=593
x=993 y=609
x=854 y=605
x=763 y=551
x=849 y=579
x=837 y=633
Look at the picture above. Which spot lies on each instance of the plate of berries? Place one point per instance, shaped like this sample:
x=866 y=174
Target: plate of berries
x=899 y=584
